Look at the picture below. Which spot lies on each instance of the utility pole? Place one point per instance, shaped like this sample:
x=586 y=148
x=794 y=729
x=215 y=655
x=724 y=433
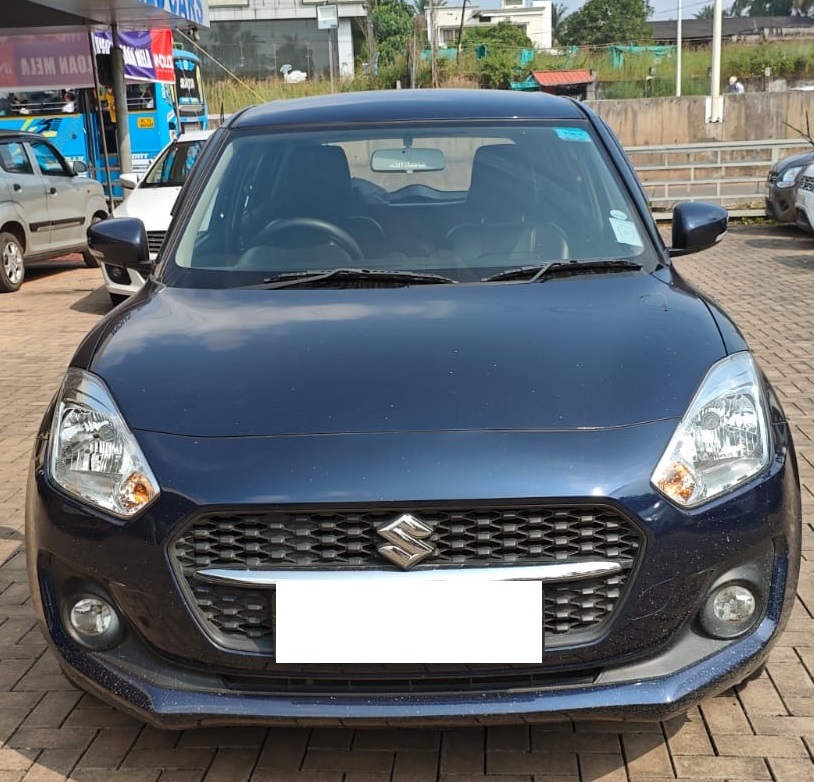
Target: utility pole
x=120 y=98
x=716 y=103
x=370 y=37
x=678 y=51
x=461 y=31
x=433 y=43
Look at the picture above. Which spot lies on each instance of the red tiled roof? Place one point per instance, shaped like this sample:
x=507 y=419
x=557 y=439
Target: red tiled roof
x=560 y=78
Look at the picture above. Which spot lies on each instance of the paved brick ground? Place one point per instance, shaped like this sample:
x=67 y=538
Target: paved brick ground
x=764 y=276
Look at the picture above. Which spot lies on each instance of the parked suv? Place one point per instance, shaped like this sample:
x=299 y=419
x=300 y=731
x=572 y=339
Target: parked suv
x=781 y=184
x=45 y=207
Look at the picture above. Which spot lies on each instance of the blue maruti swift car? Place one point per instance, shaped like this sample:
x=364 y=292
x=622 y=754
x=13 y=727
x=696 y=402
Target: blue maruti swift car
x=414 y=420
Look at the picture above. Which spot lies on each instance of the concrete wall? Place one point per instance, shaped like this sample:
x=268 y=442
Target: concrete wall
x=752 y=116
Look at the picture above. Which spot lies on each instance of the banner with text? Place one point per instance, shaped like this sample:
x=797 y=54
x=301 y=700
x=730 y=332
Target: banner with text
x=63 y=60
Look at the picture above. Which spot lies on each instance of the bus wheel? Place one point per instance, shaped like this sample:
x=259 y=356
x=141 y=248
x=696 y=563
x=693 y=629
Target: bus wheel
x=12 y=267
x=89 y=260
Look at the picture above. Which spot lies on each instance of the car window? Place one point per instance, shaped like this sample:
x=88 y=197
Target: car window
x=13 y=158
x=49 y=160
x=172 y=167
x=463 y=201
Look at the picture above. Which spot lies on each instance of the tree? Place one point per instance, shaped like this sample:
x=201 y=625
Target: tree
x=601 y=22
x=708 y=12
x=559 y=11
x=503 y=35
x=762 y=8
x=392 y=27
x=499 y=48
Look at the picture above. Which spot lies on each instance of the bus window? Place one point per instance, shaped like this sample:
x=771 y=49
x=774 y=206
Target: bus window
x=39 y=103
x=141 y=97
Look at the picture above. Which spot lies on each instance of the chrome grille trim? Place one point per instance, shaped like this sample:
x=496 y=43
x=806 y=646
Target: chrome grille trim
x=546 y=573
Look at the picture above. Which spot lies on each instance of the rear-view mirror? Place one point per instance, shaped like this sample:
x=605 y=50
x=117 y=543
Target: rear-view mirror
x=407 y=160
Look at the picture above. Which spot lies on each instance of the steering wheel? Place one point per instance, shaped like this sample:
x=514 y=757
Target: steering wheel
x=333 y=232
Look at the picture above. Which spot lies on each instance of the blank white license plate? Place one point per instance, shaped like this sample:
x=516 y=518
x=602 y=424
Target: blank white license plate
x=357 y=621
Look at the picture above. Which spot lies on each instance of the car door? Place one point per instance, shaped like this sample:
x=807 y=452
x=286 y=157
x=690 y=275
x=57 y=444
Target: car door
x=27 y=189
x=66 y=202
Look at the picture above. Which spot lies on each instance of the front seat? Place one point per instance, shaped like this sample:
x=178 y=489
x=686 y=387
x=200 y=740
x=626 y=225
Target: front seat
x=503 y=205
x=316 y=184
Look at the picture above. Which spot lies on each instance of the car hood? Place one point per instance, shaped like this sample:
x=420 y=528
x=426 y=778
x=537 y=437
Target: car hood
x=152 y=205
x=591 y=351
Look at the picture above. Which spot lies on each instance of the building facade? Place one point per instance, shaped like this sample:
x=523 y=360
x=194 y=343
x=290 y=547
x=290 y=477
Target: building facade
x=534 y=19
x=264 y=38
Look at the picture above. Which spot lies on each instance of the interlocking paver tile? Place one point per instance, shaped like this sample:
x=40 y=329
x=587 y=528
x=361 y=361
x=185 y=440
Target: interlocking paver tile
x=647 y=756
x=50 y=732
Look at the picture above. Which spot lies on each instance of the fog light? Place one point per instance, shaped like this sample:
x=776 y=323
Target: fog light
x=93 y=622
x=730 y=611
x=118 y=274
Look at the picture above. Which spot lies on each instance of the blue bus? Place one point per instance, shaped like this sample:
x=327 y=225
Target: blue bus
x=82 y=123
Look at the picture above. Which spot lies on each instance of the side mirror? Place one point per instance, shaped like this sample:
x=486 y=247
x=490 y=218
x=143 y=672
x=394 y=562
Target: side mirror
x=79 y=167
x=128 y=181
x=121 y=241
x=697 y=226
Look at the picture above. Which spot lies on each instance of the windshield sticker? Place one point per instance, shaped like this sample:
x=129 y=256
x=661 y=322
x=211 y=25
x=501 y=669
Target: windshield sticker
x=625 y=232
x=572 y=134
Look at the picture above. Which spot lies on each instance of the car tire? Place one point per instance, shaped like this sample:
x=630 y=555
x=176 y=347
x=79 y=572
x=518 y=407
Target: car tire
x=12 y=263
x=89 y=260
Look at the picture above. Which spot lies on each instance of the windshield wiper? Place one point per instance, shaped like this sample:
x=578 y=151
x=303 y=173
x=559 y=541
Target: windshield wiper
x=542 y=271
x=399 y=277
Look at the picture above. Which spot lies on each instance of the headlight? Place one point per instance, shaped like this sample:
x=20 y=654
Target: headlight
x=94 y=455
x=723 y=438
x=786 y=179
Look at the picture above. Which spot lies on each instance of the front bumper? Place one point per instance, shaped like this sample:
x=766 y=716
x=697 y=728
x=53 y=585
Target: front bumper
x=804 y=202
x=649 y=660
x=779 y=203
x=121 y=282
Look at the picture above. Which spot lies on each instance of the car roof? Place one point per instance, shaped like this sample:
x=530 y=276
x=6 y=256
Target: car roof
x=24 y=134
x=407 y=105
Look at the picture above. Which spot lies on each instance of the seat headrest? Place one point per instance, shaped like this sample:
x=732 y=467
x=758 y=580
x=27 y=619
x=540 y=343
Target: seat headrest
x=317 y=183
x=501 y=188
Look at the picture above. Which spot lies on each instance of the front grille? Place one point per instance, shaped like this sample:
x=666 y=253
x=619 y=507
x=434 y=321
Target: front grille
x=806 y=183
x=243 y=618
x=154 y=240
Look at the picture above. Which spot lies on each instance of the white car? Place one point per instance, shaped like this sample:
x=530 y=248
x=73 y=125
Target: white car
x=804 y=199
x=151 y=199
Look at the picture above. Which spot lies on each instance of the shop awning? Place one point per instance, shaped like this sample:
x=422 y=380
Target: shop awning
x=29 y=16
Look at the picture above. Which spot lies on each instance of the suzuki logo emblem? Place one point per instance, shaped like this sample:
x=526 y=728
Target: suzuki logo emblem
x=405 y=541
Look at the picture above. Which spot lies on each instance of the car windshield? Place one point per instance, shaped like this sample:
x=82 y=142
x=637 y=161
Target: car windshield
x=462 y=201
x=171 y=168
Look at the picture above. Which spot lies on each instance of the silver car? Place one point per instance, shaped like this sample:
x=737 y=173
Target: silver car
x=781 y=186
x=45 y=207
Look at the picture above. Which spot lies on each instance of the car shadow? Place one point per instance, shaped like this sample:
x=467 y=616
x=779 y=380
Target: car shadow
x=96 y=302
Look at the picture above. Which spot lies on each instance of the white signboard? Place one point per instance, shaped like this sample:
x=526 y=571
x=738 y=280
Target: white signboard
x=327 y=17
